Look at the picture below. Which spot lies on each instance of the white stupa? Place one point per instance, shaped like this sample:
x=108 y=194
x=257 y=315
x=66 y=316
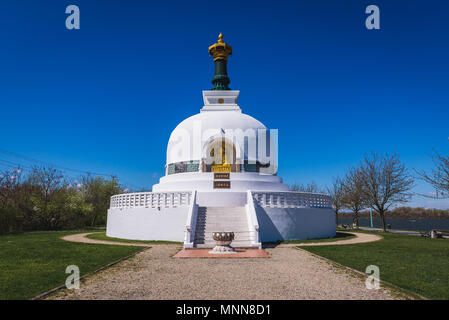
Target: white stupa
x=221 y=175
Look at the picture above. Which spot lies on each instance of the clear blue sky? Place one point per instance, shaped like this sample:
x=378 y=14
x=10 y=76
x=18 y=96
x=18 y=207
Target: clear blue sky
x=105 y=98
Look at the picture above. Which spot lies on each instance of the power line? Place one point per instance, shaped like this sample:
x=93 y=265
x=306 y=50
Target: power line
x=51 y=164
x=16 y=165
x=13 y=164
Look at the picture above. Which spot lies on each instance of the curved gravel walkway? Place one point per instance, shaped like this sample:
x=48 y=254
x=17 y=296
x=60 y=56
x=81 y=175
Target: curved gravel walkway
x=289 y=273
x=359 y=238
x=81 y=237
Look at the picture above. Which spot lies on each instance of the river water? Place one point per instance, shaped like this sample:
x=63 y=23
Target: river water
x=402 y=223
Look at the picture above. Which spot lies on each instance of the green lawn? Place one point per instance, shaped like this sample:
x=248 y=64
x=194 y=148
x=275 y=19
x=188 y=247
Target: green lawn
x=103 y=236
x=32 y=263
x=417 y=264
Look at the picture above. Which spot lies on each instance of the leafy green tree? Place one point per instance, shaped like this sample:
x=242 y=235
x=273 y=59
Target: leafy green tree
x=14 y=202
x=97 y=193
x=44 y=199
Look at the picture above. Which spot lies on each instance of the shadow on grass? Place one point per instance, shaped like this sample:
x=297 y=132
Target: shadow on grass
x=339 y=236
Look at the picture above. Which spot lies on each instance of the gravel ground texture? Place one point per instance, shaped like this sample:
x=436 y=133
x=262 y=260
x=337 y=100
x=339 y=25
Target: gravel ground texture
x=289 y=273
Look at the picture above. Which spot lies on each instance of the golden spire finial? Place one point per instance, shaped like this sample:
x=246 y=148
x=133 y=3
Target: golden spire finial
x=220 y=50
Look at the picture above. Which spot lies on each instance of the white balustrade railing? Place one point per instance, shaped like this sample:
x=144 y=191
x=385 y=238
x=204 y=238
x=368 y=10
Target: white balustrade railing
x=253 y=222
x=291 y=199
x=191 y=223
x=151 y=199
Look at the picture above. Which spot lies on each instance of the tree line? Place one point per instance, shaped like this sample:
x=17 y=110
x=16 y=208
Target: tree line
x=380 y=182
x=45 y=199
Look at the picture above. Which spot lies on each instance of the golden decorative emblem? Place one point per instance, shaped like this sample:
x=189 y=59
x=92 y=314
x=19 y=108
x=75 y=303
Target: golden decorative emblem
x=220 y=50
x=222 y=184
x=220 y=100
x=226 y=167
x=221 y=175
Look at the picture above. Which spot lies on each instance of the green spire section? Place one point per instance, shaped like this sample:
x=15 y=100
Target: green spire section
x=221 y=80
x=220 y=51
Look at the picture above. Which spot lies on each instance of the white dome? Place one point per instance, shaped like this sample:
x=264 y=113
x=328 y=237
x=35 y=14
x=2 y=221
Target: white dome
x=195 y=151
x=186 y=142
x=222 y=120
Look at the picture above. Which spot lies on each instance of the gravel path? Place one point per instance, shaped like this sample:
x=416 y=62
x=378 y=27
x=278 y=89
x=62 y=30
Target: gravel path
x=289 y=273
x=81 y=237
x=359 y=238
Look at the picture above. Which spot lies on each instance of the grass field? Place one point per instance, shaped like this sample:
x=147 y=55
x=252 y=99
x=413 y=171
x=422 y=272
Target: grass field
x=32 y=263
x=103 y=236
x=420 y=265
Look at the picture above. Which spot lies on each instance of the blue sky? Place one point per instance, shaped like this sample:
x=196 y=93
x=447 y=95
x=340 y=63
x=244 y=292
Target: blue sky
x=105 y=98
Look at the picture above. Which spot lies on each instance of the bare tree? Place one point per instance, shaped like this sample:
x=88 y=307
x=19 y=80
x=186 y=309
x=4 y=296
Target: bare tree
x=47 y=184
x=354 y=197
x=336 y=193
x=438 y=177
x=12 y=187
x=47 y=179
x=385 y=182
x=9 y=180
x=310 y=187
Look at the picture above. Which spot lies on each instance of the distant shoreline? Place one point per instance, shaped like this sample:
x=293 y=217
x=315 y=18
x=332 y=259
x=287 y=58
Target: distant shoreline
x=405 y=213
x=393 y=216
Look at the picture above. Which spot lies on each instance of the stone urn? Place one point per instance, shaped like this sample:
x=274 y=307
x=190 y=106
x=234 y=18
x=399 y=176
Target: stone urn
x=223 y=242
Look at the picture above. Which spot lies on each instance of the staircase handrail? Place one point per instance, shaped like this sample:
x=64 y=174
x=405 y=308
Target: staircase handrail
x=252 y=217
x=191 y=220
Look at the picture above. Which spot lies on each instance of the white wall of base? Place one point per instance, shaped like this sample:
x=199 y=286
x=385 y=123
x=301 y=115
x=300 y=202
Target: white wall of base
x=147 y=223
x=169 y=223
x=221 y=199
x=277 y=224
x=204 y=182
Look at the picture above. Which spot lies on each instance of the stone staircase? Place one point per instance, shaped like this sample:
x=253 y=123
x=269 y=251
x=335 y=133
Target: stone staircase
x=212 y=219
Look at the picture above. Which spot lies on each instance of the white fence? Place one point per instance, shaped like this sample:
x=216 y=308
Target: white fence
x=191 y=223
x=291 y=199
x=253 y=222
x=152 y=199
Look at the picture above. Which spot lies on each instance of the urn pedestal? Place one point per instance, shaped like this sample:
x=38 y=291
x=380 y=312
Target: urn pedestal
x=223 y=242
